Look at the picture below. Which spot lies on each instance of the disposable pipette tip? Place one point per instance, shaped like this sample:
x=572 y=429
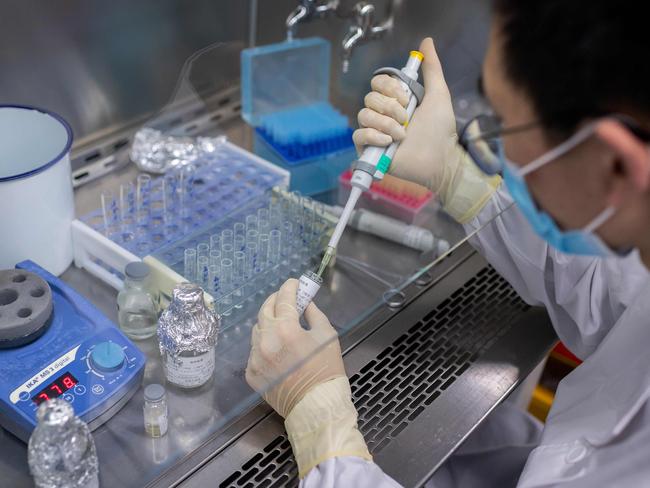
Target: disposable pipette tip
x=329 y=253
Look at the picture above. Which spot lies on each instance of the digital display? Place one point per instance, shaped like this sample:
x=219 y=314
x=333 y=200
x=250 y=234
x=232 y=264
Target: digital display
x=55 y=389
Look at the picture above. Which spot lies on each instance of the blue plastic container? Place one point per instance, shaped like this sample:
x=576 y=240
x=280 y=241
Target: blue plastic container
x=285 y=90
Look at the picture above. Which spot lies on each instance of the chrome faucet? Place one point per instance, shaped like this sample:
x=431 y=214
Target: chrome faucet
x=307 y=10
x=364 y=28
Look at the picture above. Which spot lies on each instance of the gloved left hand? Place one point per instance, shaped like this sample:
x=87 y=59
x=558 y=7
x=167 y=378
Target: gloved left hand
x=300 y=373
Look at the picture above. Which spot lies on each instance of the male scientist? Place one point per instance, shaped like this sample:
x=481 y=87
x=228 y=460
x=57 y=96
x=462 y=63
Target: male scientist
x=567 y=140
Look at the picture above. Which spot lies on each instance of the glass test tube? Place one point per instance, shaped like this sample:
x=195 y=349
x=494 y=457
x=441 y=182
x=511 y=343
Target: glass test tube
x=252 y=236
x=251 y=223
x=275 y=213
x=227 y=251
x=171 y=187
x=226 y=285
x=215 y=242
x=215 y=256
x=318 y=227
x=296 y=240
x=239 y=229
x=275 y=241
x=297 y=215
x=164 y=201
x=252 y=263
x=203 y=249
x=110 y=211
x=239 y=263
x=185 y=190
x=319 y=211
x=239 y=277
x=202 y=264
x=263 y=250
x=127 y=200
x=297 y=206
x=227 y=237
x=143 y=190
x=287 y=230
x=265 y=227
x=190 y=264
x=262 y=214
x=240 y=243
x=274 y=203
x=308 y=220
x=214 y=272
x=287 y=204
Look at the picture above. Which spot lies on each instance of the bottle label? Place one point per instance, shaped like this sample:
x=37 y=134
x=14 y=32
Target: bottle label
x=307 y=289
x=190 y=372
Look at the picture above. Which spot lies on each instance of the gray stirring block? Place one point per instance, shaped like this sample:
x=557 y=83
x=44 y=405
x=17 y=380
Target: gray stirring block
x=25 y=307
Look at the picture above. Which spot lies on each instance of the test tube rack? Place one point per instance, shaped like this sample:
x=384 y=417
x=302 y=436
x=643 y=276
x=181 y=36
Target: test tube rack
x=246 y=256
x=146 y=215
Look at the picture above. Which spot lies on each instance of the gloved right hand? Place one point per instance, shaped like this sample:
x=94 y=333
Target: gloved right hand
x=429 y=153
x=300 y=374
x=282 y=349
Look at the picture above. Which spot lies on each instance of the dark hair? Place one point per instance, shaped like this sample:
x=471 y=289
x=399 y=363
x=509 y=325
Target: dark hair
x=577 y=58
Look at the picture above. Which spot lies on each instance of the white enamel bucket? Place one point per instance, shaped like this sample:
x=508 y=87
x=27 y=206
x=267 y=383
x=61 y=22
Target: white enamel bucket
x=36 y=198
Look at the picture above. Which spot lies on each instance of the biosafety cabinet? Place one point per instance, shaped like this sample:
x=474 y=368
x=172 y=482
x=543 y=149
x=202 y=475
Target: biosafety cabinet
x=432 y=343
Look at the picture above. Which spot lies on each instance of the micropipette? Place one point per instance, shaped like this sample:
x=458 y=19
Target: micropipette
x=372 y=164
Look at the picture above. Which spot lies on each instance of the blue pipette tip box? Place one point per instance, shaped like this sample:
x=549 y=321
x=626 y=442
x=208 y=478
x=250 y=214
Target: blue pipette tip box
x=285 y=92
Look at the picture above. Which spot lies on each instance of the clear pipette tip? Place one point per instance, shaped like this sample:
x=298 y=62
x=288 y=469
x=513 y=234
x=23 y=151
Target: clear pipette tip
x=327 y=257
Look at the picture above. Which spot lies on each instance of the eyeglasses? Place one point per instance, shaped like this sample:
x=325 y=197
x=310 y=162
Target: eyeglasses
x=481 y=138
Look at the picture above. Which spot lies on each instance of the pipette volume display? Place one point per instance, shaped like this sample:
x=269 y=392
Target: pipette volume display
x=373 y=163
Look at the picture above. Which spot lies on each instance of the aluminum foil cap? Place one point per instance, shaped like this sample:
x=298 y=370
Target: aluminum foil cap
x=187 y=325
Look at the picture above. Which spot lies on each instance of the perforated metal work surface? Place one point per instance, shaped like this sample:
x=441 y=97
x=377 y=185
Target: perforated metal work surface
x=406 y=377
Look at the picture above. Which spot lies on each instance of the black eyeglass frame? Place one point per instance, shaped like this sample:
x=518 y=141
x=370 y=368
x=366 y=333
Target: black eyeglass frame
x=465 y=139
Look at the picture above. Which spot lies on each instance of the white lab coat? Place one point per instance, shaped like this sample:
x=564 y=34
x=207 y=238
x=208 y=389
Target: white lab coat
x=598 y=430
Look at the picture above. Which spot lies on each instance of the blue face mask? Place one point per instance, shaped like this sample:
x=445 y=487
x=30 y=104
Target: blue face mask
x=584 y=241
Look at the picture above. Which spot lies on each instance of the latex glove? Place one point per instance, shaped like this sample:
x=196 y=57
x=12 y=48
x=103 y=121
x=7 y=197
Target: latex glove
x=429 y=153
x=279 y=344
x=315 y=397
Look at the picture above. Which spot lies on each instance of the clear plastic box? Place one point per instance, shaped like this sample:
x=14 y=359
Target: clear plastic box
x=284 y=86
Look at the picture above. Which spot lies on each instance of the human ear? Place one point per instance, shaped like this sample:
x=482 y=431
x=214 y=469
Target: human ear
x=630 y=168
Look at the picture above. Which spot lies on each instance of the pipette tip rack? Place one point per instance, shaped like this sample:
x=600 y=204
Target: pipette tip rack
x=397 y=201
x=301 y=134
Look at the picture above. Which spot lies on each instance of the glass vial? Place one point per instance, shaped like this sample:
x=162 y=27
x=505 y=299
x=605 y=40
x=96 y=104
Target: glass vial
x=137 y=303
x=155 y=410
x=61 y=451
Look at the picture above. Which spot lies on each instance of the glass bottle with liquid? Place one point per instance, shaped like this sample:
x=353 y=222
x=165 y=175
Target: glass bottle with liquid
x=187 y=332
x=61 y=451
x=137 y=303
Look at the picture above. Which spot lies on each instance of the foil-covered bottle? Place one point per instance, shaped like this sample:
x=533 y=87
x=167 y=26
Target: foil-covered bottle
x=61 y=451
x=187 y=332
